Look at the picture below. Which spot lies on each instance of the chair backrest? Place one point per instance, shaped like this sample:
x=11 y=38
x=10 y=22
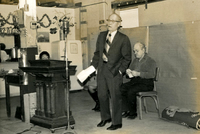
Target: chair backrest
x=156 y=77
x=157 y=74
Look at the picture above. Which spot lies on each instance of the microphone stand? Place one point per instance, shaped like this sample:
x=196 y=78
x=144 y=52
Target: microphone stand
x=69 y=128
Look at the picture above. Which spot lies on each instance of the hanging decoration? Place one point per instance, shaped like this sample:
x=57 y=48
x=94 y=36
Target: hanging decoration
x=4 y=21
x=9 y=30
x=63 y=24
x=53 y=30
x=42 y=24
x=56 y=20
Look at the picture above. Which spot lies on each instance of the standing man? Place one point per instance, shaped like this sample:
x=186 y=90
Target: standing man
x=141 y=71
x=111 y=58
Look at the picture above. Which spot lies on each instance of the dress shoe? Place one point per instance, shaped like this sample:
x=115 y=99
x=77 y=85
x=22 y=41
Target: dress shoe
x=114 y=127
x=125 y=114
x=103 y=123
x=132 y=116
x=97 y=107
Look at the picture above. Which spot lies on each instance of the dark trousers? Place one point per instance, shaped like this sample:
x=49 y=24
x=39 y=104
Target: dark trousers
x=109 y=95
x=129 y=91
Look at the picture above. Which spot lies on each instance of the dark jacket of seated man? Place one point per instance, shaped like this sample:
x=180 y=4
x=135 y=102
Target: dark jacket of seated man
x=141 y=72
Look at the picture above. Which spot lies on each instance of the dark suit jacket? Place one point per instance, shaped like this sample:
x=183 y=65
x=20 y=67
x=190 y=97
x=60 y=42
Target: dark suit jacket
x=119 y=54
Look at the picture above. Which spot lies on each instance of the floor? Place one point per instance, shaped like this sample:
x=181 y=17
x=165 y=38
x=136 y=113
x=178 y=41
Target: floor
x=86 y=121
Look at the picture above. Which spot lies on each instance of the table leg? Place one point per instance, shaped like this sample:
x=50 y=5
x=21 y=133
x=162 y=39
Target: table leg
x=23 y=89
x=7 y=88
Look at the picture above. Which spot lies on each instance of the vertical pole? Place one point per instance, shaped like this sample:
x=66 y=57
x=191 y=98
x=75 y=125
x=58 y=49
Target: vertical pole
x=147 y=40
x=53 y=99
x=29 y=7
x=42 y=98
x=38 y=98
x=146 y=2
x=48 y=87
x=67 y=77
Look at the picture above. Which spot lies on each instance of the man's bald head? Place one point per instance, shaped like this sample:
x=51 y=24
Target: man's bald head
x=114 y=22
x=139 y=50
x=116 y=17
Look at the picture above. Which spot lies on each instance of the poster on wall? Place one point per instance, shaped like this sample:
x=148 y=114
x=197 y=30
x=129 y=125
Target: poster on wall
x=43 y=37
x=130 y=18
x=74 y=48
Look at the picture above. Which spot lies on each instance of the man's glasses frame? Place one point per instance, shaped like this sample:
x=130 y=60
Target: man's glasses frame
x=108 y=20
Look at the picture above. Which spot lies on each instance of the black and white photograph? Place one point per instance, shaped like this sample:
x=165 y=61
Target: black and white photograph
x=42 y=37
x=99 y=67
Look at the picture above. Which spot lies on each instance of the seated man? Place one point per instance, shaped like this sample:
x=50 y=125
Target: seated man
x=92 y=90
x=141 y=72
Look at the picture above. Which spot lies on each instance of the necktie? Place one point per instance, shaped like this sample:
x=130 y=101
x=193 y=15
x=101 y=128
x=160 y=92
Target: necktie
x=106 y=48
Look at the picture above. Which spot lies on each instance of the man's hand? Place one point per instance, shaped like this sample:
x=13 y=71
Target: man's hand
x=120 y=72
x=128 y=72
x=84 y=74
x=135 y=73
x=132 y=73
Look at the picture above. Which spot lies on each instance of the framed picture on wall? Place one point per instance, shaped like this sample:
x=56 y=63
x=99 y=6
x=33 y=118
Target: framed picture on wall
x=74 y=48
x=43 y=37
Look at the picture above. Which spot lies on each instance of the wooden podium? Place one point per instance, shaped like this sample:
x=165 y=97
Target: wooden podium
x=51 y=88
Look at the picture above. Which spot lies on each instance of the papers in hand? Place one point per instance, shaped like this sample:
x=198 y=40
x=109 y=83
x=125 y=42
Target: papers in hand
x=129 y=73
x=84 y=74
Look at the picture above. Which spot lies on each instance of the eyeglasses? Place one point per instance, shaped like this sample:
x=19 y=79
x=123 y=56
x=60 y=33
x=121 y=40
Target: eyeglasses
x=108 y=20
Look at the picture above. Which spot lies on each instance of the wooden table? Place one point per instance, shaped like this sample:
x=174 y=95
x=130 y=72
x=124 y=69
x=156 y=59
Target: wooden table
x=14 y=80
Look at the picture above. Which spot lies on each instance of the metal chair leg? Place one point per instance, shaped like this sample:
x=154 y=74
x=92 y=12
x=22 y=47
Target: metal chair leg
x=159 y=115
x=155 y=98
x=139 y=99
x=145 y=104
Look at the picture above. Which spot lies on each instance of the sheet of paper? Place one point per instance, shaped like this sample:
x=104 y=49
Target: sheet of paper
x=129 y=73
x=84 y=74
x=90 y=70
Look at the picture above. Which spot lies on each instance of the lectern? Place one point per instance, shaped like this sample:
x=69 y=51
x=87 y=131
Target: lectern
x=51 y=86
